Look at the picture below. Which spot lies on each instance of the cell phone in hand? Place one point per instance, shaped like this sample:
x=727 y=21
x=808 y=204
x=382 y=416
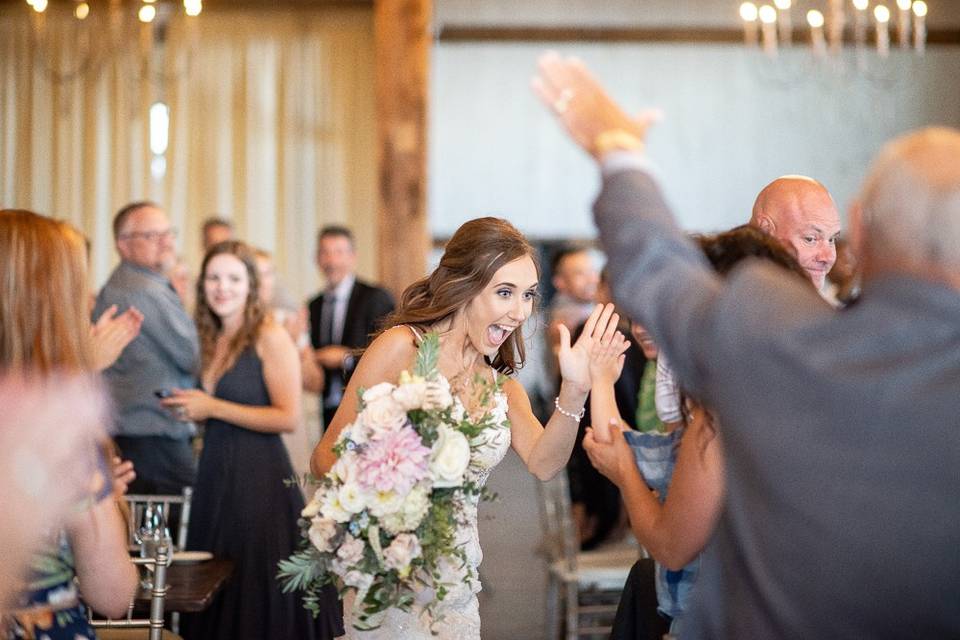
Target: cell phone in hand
x=163 y=393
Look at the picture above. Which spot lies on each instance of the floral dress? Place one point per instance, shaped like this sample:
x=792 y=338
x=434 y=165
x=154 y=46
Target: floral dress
x=52 y=609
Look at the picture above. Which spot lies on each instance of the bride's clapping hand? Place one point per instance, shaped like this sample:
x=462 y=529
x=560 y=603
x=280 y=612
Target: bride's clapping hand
x=598 y=333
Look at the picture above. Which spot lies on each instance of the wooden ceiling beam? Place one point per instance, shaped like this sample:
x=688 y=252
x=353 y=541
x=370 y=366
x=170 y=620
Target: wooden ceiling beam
x=689 y=35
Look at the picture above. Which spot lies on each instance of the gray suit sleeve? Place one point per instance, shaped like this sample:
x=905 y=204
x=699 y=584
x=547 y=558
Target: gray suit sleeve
x=659 y=276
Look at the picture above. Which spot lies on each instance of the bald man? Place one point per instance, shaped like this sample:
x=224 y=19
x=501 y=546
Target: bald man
x=800 y=213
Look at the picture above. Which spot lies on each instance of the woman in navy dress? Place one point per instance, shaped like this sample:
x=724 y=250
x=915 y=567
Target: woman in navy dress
x=245 y=508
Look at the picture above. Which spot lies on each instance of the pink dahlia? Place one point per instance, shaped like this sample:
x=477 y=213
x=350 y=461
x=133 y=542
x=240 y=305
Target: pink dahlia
x=394 y=461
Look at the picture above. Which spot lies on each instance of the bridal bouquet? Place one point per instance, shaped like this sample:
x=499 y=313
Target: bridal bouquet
x=383 y=520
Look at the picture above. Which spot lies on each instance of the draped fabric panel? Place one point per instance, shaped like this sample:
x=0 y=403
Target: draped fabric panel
x=271 y=124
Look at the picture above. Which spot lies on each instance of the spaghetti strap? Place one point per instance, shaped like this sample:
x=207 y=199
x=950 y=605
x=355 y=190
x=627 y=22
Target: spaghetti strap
x=417 y=336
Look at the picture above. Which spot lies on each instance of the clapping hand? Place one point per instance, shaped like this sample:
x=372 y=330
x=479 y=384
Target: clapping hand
x=606 y=359
x=123 y=475
x=599 y=335
x=112 y=333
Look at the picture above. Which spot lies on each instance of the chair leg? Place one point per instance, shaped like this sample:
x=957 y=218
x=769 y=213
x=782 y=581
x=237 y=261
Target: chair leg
x=573 y=611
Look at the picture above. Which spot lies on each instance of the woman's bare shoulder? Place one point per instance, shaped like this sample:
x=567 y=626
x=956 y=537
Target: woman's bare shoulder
x=271 y=337
x=394 y=349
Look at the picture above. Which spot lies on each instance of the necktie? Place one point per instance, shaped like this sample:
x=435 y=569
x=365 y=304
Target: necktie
x=326 y=318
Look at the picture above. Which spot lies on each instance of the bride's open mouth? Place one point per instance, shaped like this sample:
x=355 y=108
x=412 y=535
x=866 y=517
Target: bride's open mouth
x=498 y=333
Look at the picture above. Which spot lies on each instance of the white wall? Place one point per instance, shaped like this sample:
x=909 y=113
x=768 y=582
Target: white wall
x=734 y=119
x=632 y=13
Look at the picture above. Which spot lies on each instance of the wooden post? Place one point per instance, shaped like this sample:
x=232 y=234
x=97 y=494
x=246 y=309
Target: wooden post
x=402 y=36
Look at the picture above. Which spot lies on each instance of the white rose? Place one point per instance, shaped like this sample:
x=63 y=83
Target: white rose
x=358 y=579
x=437 y=395
x=377 y=391
x=382 y=503
x=331 y=508
x=415 y=508
x=383 y=414
x=351 y=550
x=451 y=456
x=411 y=395
x=352 y=498
x=404 y=548
x=355 y=431
x=321 y=533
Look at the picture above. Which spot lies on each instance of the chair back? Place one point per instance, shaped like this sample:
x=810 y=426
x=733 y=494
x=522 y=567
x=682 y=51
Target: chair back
x=560 y=533
x=139 y=502
x=158 y=593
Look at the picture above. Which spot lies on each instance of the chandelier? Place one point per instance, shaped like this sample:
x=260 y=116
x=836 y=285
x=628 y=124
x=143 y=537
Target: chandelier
x=74 y=38
x=771 y=26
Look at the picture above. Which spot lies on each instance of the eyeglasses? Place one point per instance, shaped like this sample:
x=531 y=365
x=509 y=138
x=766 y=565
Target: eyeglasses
x=150 y=236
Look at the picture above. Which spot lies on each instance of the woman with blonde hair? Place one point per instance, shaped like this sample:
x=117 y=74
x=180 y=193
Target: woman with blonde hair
x=45 y=332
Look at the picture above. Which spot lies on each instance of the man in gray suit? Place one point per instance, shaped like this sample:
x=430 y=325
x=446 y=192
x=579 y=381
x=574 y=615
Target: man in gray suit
x=840 y=428
x=166 y=354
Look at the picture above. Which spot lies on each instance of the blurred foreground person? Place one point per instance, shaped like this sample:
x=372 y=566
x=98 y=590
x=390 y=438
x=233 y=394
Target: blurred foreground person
x=45 y=332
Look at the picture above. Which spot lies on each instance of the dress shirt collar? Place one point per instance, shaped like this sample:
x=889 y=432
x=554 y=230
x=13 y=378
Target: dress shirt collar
x=342 y=290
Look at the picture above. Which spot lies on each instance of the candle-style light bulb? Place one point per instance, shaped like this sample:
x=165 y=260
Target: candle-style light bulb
x=882 y=16
x=147 y=13
x=784 y=20
x=860 y=22
x=817 y=41
x=749 y=15
x=903 y=22
x=920 y=26
x=768 y=21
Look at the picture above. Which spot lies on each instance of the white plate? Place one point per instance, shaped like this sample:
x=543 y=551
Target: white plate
x=191 y=557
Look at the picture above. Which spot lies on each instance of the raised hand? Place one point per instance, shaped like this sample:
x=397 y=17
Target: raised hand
x=606 y=359
x=590 y=116
x=575 y=360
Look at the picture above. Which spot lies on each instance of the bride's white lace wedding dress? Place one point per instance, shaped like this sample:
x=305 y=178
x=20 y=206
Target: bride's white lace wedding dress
x=457 y=617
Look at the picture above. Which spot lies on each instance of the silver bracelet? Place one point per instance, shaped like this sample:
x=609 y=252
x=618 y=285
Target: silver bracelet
x=573 y=416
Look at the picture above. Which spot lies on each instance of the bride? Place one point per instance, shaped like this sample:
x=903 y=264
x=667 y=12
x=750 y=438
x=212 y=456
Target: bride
x=476 y=300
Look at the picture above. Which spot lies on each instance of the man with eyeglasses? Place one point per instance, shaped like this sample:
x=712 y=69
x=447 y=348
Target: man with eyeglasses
x=164 y=356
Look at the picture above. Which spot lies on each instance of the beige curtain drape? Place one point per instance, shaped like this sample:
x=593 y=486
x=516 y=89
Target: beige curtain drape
x=271 y=124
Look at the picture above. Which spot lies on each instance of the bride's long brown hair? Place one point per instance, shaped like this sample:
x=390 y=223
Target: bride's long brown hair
x=471 y=258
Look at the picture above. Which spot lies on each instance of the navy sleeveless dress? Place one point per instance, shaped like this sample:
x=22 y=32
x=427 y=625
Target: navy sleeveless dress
x=243 y=510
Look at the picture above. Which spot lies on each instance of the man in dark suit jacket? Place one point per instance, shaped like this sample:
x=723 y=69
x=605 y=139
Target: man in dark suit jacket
x=345 y=316
x=839 y=427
